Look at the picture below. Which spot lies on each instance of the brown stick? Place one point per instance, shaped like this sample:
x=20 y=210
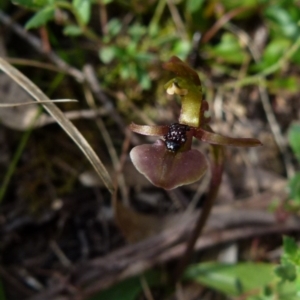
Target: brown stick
x=102 y=273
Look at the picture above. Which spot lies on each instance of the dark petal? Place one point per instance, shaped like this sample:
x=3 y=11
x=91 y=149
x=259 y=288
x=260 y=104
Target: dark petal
x=167 y=169
x=149 y=130
x=217 y=139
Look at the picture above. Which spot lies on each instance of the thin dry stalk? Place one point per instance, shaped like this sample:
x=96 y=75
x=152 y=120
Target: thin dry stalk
x=110 y=146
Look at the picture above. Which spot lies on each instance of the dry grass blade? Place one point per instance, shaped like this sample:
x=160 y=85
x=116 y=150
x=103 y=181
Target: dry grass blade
x=57 y=114
x=34 y=102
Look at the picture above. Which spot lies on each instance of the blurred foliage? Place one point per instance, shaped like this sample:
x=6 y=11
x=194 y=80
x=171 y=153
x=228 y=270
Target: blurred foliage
x=228 y=50
x=231 y=279
x=283 y=20
x=128 y=48
x=126 y=51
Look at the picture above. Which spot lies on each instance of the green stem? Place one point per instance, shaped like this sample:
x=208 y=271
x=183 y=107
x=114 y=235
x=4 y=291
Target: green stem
x=16 y=157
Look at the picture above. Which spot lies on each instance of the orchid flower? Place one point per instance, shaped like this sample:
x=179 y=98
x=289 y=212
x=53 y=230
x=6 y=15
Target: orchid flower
x=171 y=162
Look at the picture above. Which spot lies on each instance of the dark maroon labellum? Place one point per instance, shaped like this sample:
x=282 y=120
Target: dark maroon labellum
x=176 y=136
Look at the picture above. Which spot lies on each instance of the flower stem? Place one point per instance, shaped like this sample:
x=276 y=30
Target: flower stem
x=217 y=170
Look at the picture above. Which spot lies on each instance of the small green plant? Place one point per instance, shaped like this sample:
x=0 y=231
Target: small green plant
x=127 y=53
x=286 y=285
x=48 y=10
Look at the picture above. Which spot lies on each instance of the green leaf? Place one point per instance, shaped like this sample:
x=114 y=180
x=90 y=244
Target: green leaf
x=72 y=30
x=136 y=31
x=32 y=4
x=273 y=52
x=229 y=50
x=182 y=48
x=194 y=5
x=107 y=54
x=282 y=21
x=41 y=18
x=114 y=26
x=294 y=138
x=232 y=279
x=83 y=8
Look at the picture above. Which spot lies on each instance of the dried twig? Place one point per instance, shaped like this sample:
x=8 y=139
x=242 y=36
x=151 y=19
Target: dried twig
x=110 y=146
x=93 y=82
x=138 y=258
